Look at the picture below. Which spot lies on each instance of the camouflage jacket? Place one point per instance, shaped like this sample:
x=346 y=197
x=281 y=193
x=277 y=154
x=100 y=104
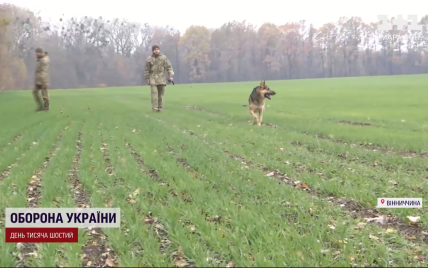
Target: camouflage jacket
x=42 y=71
x=155 y=69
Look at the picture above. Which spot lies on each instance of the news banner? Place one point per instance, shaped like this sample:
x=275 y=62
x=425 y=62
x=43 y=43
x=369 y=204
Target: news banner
x=56 y=225
x=61 y=225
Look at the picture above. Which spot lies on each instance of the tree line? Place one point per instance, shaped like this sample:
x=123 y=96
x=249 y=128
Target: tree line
x=99 y=52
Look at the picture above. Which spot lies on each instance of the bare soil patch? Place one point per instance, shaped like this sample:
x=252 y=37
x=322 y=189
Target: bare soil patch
x=345 y=122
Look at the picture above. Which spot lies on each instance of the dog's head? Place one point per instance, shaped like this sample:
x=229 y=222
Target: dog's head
x=265 y=91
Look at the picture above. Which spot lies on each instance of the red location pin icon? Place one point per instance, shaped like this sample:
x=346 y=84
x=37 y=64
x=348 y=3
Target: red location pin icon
x=382 y=201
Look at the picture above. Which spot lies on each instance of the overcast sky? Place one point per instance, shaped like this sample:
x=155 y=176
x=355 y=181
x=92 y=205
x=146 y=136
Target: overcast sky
x=184 y=13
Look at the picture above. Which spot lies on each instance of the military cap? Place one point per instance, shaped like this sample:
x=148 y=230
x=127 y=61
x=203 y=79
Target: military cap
x=39 y=50
x=154 y=47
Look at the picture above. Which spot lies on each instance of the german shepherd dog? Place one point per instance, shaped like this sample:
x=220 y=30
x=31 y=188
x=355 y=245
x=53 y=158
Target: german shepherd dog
x=256 y=102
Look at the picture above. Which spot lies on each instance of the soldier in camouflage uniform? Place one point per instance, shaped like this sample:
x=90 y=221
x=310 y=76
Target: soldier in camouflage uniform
x=42 y=80
x=154 y=74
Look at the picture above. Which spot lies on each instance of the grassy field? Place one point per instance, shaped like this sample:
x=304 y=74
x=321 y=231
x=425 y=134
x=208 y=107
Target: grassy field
x=198 y=185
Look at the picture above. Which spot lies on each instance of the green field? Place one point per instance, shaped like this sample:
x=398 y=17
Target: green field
x=198 y=185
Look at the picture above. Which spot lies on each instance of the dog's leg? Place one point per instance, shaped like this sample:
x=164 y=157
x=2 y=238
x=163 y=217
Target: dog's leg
x=255 y=119
x=261 y=110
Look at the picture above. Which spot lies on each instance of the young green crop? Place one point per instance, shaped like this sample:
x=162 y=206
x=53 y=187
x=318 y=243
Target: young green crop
x=216 y=210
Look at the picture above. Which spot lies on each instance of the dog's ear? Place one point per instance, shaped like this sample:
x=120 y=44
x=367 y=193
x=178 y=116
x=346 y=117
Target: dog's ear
x=262 y=84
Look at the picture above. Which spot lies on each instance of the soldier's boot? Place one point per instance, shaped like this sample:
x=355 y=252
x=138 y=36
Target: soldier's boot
x=46 y=106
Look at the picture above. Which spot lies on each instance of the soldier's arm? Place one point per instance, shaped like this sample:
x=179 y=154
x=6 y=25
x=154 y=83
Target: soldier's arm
x=39 y=67
x=45 y=65
x=42 y=67
x=168 y=68
x=147 y=70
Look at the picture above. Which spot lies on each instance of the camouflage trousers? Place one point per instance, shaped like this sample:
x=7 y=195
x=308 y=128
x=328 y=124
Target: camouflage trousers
x=158 y=92
x=45 y=96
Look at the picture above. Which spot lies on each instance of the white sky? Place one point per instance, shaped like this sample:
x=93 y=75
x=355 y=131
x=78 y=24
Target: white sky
x=184 y=13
